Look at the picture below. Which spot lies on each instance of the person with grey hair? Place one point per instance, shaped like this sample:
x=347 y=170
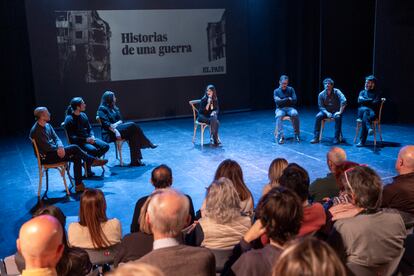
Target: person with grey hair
x=331 y=102
x=223 y=224
x=368 y=237
x=326 y=187
x=167 y=216
x=51 y=148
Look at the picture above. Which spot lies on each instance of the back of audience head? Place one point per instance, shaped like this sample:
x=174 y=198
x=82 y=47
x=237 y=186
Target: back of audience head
x=57 y=213
x=168 y=213
x=365 y=187
x=136 y=269
x=40 y=242
x=405 y=160
x=232 y=170
x=161 y=177
x=280 y=212
x=310 y=257
x=92 y=213
x=335 y=157
x=339 y=173
x=275 y=170
x=222 y=201
x=296 y=178
x=143 y=223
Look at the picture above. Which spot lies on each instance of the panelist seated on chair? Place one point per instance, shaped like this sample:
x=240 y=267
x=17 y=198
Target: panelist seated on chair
x=80 y=131
x=113 y=128
x=331 y=102
x=51 y=148
x=369 y=101
x=285 y=99
x=208 y=112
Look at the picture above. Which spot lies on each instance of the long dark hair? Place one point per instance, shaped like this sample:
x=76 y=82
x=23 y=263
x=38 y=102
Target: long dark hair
x=108 y=99
x=212 y=88
x=232 y=170
x=92 y=213
x=74 y=103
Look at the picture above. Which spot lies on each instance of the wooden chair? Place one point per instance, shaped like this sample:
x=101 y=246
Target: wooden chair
x=284 y=118
x=323 y=122
x=62 y=167
x=203 y=126
x=118 y=145
x=375 y=124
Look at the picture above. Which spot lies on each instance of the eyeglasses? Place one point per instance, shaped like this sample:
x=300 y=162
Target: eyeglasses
x=346 y=176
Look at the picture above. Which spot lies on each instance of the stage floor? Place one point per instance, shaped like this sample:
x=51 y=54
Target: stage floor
x=247 y=138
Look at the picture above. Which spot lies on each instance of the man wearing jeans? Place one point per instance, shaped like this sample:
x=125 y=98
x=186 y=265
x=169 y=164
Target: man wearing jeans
x=332 y=104
x=285 y=99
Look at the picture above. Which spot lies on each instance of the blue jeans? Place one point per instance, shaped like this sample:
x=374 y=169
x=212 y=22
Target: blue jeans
x=294 y=117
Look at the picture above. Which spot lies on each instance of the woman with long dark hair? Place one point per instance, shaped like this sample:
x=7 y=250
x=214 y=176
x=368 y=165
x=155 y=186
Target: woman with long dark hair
x=113 y=128
x=80 y=131
x=208 y=112
x=94 y=230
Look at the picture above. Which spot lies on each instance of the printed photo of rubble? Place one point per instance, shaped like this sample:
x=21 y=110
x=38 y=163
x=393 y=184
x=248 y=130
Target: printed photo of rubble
x=83 y=45
x=216 y=37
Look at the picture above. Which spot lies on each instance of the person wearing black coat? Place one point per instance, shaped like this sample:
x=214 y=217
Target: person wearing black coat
x=208 y=112
x=113 y=128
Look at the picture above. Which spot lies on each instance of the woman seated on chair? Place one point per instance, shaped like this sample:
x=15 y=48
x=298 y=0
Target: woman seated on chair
x=94 y=230
x=223 y=225
x=208 y=112
x=80 y=132
x=113 y=128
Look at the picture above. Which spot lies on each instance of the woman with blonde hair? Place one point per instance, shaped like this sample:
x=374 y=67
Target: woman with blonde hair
x=310 y=257
x=275 y=172
x=223 y=224
x=94 y=230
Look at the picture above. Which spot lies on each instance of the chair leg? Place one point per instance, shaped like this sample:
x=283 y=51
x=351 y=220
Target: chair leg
x=195 y=132
x=119 y=147
x=379 y=131
x=202 y=134
x=47 y=183
x=116 y=150
x=356 y=131
x=67 y=168
x=85 y=167
x=39 y=190
x=322 y=127
x=62 y=171
x=375 y=134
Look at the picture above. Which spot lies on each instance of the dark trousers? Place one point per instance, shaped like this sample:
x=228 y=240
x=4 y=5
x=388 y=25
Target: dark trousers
x=286 y=111
x=338 y=124
x=214 y=125
x=74 y=154
x=136 y=138
x=97 y=149
x=367 y=115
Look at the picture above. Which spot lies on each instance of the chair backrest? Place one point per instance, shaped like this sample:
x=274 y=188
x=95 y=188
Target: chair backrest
x=37 y=153
x=103 y=256
x=66 y=132
x=380 y=109
x=194 y=108
x=98 y=120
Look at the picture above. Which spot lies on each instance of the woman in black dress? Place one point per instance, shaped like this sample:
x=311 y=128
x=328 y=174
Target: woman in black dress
x=113 y=128
x=208 y=112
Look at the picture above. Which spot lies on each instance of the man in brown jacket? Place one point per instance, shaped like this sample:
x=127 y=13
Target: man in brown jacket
x=168 y=215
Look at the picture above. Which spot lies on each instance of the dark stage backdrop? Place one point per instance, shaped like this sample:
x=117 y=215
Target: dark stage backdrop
x=141 y=94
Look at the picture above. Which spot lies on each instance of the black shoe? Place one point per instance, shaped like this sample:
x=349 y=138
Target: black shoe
x=138 y=163
x=90 y=174
x=360 y=144
x=314 y=141
x=99 y=162
x=297 y=138
x=153 y=146
x=281 y=140
x=79 y=187
x=336 y=141
x=370 y=131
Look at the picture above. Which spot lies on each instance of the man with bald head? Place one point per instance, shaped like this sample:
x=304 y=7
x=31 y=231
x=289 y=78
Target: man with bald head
x=167 y=216
x=400 y=193
x=326 y=187
x=40 y=243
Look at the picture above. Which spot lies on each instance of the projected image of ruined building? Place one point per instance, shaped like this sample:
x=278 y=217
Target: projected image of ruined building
x=83 y=45
x=216 y=36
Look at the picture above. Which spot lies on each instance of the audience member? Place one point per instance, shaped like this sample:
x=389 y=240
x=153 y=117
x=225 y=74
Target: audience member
x=322 y=189
x=161 y=178
x=94 y=230
x=74 y=261
x=310 y=257
x=40 y=243
x=372 y=238
x=136 y=269
x=279 y=215
x=400 y=193
x=223 y=225
x=275 y=171
x=296 y=178
x=168 y=215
